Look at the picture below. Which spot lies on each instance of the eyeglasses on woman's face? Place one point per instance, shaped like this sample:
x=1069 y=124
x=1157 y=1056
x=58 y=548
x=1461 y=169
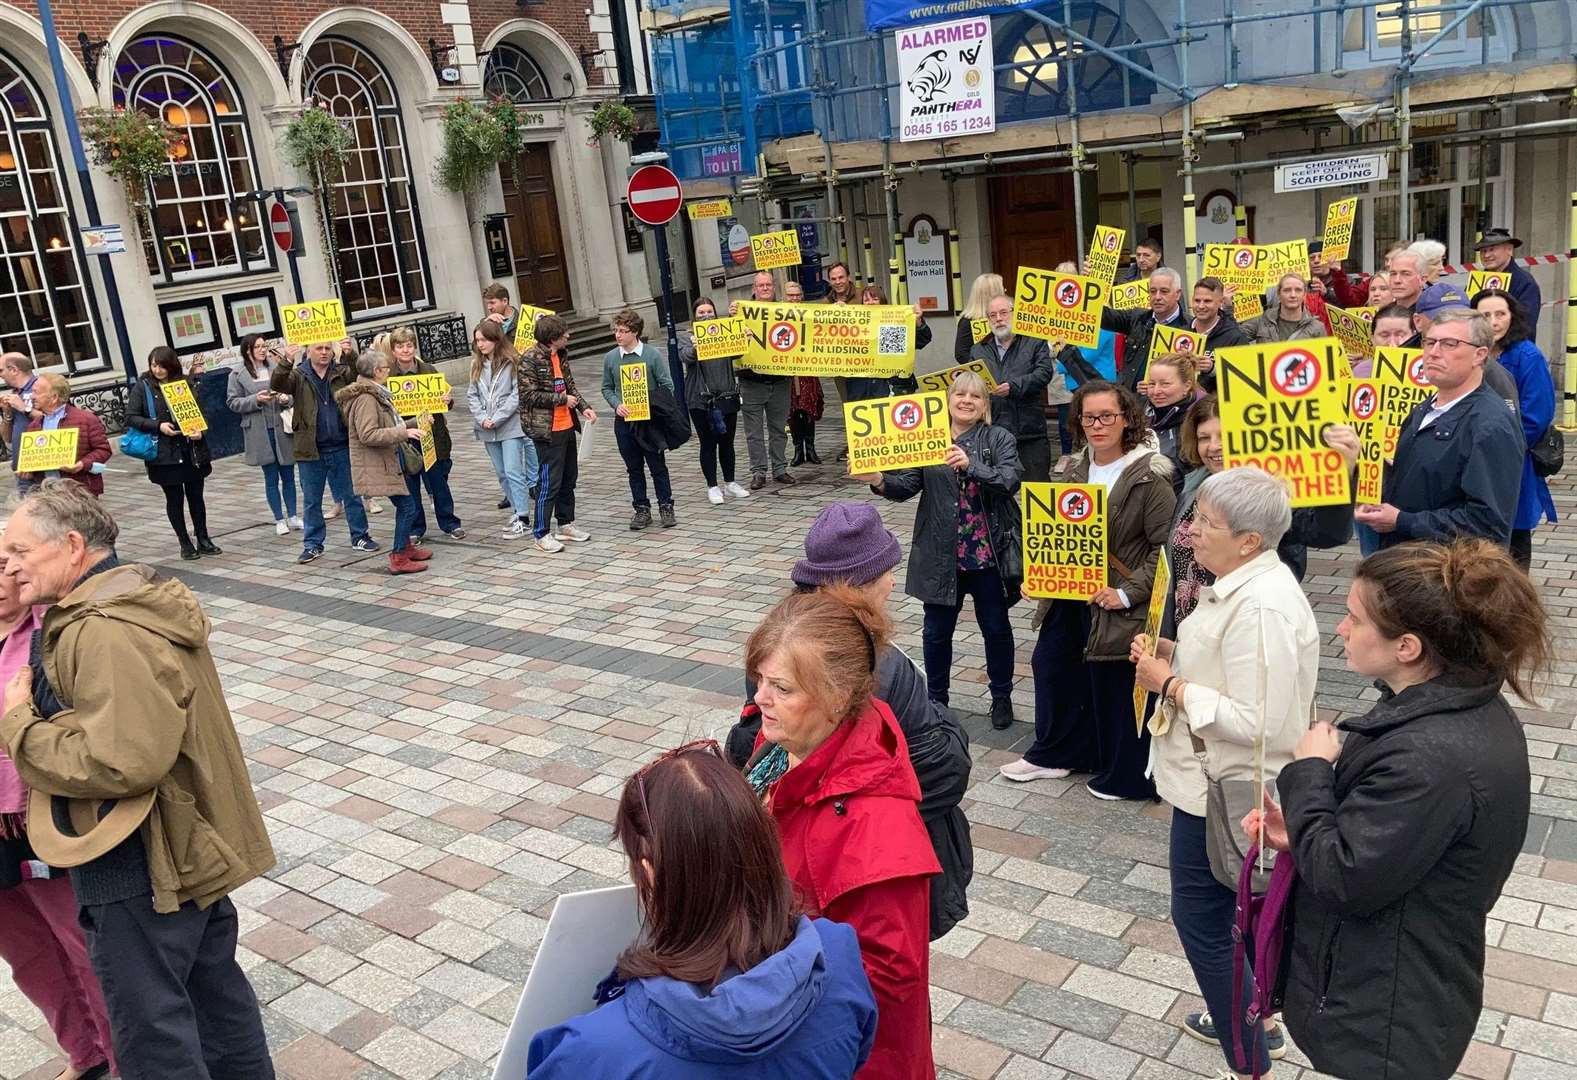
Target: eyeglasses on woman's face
x=1100 y=419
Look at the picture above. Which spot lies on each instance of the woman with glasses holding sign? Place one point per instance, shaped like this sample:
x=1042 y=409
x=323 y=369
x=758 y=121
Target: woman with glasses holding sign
x=181 y=462
x=728 y=976
x=1084 y=714
x=966 y=541
x=831 y=766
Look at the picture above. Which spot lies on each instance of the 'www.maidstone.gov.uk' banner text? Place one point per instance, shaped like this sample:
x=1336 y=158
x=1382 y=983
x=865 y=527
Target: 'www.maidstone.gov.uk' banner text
x=885 y=14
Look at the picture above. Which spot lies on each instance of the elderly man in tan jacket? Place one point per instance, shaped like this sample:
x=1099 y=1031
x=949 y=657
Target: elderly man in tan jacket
x=139 y=787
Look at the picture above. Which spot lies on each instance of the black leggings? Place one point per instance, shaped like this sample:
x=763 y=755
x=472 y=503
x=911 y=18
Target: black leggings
x=1522 y=547
x=715 y=448
x=193 y=492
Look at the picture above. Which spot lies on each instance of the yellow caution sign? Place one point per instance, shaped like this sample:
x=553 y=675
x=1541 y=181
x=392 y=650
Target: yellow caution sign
x=711 y=208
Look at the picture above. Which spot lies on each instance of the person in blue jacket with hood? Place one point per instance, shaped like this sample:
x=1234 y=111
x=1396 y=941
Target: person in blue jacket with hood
x=1535 y=406
x=728 y=978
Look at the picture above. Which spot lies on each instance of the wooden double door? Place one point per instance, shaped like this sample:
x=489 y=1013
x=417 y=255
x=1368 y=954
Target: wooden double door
x=1032 y=222
x=541 y=260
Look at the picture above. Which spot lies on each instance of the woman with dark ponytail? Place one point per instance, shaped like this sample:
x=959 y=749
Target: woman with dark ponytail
x=1404 y=833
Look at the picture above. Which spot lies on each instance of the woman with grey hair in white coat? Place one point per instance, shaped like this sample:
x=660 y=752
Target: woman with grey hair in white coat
x=1236 y=693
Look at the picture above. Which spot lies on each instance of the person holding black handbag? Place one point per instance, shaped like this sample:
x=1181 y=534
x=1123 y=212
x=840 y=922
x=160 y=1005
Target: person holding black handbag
x=711 y=393
x=181 y=463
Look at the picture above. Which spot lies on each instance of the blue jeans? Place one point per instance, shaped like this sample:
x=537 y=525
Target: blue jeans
x=511 y=458
x=279 y=483
x=405 y=509
x=636 y=461
x=1203 y=910
x=1368 y=539
x=332 y=467
x=1064 y=432
x=991 y=612
x=436 y=480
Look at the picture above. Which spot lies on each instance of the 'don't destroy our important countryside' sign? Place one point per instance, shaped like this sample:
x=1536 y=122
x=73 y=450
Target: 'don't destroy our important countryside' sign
x=1064 y=529
x=906 y=432
x=946 y=80
x=46 y=451
x=775 y=249
x=414 y=395
x=944 y=379
x=314 y=322
x=716 y=339
x=1058 y=307
x=1276 y=401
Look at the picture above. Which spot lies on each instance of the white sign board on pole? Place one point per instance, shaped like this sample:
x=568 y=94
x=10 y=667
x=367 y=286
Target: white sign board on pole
x=1332 y=172
x=585 y=935
x=946 y=85
x=925 y=267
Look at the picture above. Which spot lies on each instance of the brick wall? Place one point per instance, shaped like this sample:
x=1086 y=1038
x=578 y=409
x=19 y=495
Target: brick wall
x=287 y=17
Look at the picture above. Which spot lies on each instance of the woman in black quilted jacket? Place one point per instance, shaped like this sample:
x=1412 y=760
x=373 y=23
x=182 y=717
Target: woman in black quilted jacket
x=1404 y=832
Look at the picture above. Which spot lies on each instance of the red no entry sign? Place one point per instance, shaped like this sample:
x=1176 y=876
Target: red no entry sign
x=279 y=225
x=654 y=194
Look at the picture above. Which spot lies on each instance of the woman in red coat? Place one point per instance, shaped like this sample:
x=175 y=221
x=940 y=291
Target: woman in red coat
x=834 y=769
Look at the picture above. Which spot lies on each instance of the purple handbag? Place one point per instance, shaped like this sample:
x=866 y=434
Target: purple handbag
x=1261 y=919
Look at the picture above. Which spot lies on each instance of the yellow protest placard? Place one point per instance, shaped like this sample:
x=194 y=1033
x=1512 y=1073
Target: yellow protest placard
x=1130 y=294
x=711 y=208
x=1479 y=280
x=1403 y=387
x=1175 y=339
x=1364 y=313
x=1369 y=422
x=1356 y=335
x=774 y=249
x=861 y=340
x=313 y=322
x=634 y=392
x=1058 y=307
x=184 y=410
x=1339 y=218
x=1256 y=266
x=1160 y=592
x=1248 y=304
x=45 y=451
x=719 y=338
x=1064 y=540
x=417 y=394
x=979 y=330
x=424 y=425
x=1276 y=400
x=941 y=380
x=526 y=318
x=905 y=432
x=1106 y=248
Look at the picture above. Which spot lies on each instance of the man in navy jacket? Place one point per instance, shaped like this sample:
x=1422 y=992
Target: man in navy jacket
x=1496 y=251
x=1459 y=455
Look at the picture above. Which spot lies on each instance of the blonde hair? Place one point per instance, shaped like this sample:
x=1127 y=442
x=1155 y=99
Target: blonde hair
x=987 y=287
x=57 y=383
x=1185 y=364
x=969 y=380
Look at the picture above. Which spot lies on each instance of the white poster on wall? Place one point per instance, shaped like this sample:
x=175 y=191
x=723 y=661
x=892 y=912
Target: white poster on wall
x=946 y=85
x=925 y=266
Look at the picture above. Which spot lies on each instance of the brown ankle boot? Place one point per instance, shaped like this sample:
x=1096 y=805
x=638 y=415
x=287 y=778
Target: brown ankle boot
x=401 y=563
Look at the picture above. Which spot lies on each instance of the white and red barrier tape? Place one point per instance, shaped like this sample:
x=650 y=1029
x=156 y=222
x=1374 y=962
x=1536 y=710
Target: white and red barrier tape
x=1525 y=260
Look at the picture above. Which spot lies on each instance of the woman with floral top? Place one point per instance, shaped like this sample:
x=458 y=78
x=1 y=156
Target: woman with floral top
x=966 y=541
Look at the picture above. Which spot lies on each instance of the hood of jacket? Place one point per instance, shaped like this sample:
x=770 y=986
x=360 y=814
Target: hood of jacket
x=361 y=388
x=136 y=595
x=866 y=755
x=1441 y=695
x=747 y=1016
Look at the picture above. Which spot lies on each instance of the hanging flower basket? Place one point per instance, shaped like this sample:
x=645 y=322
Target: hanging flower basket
x=611 y=118
x=132 y=147
x=319 y=144
x=477 y=138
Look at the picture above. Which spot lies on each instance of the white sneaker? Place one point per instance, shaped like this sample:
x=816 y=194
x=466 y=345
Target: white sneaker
x=571 y=534
x=1023 y=772
x=714 y=496
x=372 y=506
x=548 y=544
x=332 y=512
x=280 y=528
x=296 y=523
x=515 y=529
x=735 y=490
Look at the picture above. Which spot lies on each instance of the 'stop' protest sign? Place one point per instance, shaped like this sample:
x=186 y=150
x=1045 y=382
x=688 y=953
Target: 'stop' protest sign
x=1276 y=401
x=1058 y=307
x=1338 y=229
x=906 y=432
x=1256 y=266
x=188 y=415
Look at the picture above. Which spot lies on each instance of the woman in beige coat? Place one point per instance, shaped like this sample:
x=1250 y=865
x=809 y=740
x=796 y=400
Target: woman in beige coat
x=379 y=445
x=1236 y=692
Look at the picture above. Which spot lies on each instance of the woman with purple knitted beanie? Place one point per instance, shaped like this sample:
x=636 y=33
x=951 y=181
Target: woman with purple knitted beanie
x=848 y=543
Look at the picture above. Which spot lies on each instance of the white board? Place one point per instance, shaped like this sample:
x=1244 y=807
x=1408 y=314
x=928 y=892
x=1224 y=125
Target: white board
x=585 y=935
x=946 y=80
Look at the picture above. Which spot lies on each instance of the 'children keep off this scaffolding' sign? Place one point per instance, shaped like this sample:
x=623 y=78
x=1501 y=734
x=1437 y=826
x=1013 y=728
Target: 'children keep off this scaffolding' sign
x=946 y=81
x=1064 y=540
x=1276 y=402
x=1059 y=307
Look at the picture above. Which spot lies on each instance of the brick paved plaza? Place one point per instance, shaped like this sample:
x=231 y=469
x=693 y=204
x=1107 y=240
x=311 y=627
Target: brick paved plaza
x=438 y=757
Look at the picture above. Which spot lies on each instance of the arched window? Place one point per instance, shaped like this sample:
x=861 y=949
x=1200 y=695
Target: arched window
x=199 y=228
x=511 y=73
x=378 y=253
x=1036 y=86
x=46 y=303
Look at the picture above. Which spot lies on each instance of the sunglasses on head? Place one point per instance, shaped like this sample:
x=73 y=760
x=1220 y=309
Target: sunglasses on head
x=709 y=745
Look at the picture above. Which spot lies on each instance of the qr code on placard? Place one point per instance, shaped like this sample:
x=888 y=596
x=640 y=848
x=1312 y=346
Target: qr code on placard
x=892 y=340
